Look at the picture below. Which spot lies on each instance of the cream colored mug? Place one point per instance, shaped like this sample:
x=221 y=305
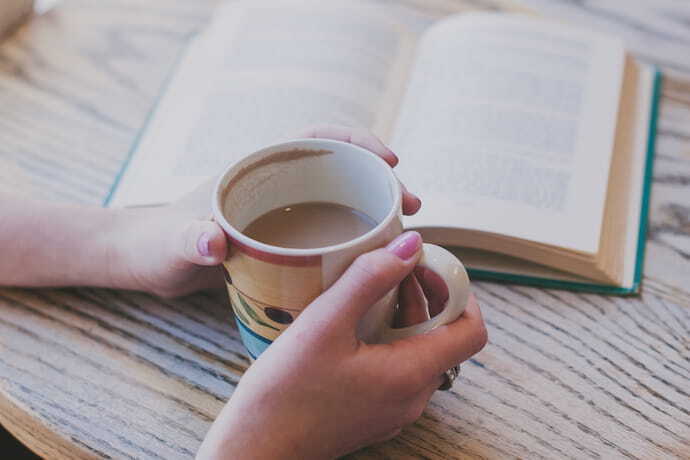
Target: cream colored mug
x=269 y=286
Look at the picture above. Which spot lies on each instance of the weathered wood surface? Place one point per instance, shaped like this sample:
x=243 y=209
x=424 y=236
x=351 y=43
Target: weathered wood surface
x=87 y=373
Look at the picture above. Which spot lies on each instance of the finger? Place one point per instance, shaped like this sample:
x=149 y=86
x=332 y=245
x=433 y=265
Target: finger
x=412 y=307
x=196 y=204
x=202 y=243
x=366 y=139
x=437 y=351
x=363 y=138
x=356 y=136
x=434 y=287
x=411 y=203
x=367 y=280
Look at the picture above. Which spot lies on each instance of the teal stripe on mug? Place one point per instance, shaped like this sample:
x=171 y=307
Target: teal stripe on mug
x=254 y=343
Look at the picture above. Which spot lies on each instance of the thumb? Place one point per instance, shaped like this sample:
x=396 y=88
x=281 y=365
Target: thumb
x=202 y=242
x=370 y=277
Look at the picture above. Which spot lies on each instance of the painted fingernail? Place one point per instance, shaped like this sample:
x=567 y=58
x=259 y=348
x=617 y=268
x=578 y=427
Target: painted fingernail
x=396 y=160
x=406 y=245
x=202 y=245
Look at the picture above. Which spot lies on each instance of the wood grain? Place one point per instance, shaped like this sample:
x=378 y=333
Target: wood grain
x=88 y=373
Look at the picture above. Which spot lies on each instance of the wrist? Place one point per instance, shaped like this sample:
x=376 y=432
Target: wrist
x=97 y=254
x=47 y=244
x=117 y=244
x=244 y=434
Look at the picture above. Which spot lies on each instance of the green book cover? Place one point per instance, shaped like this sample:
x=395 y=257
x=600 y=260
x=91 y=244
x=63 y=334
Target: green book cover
x=512 y=278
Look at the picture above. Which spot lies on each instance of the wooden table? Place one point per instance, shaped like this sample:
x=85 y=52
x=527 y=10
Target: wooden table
x=87 y=373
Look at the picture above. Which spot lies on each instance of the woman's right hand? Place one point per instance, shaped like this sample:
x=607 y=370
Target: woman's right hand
x=320 y=392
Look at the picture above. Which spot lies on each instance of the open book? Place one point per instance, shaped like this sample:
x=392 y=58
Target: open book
x=529 y=141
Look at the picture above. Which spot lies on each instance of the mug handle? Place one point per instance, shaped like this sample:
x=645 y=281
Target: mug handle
x=451 y=270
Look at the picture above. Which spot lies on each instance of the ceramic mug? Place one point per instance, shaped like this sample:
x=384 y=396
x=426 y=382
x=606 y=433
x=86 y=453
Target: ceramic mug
x=269 y=286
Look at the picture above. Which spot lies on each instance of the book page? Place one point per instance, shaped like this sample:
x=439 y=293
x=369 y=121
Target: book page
x=263 y=72
x=508 y=126
x=632 y=153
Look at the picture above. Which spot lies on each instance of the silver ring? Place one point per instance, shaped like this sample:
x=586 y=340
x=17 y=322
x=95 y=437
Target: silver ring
x=449 y=377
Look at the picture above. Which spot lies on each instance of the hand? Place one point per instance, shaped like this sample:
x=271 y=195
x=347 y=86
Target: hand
x=319 y=392
x=175 y=250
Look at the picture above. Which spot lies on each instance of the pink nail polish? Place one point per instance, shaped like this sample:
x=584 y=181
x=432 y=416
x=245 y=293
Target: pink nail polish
x=406 y=245
x=202 y=245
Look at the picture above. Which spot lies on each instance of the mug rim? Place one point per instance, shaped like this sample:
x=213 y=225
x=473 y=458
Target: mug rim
x=243 y=239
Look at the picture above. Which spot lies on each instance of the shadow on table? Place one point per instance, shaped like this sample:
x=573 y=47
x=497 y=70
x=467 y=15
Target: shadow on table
x=11 y=448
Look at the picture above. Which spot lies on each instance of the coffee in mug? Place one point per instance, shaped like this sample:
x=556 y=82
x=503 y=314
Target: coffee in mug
x=309 y=225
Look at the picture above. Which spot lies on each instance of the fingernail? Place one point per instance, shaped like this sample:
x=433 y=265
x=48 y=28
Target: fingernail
x=202 y=245
x=419 y=201
x=396 y=160
x=406 y=245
